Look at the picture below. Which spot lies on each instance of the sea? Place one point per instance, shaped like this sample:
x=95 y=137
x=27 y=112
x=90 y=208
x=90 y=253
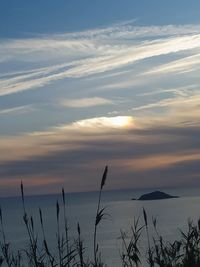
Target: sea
x=172 y=216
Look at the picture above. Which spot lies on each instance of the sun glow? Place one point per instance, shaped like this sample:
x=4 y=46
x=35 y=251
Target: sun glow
x=108 y=122
x=120 y=121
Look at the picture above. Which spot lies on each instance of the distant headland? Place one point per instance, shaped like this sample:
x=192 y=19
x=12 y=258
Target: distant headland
x=156 y=195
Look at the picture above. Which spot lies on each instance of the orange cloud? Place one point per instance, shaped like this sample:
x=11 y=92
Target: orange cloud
x=157 y=161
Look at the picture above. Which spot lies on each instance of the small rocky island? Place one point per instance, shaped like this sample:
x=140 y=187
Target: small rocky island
x=156 y=195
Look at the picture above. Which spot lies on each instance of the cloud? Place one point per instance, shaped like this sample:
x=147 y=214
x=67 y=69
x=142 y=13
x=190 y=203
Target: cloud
x=41 y=143
x=94 y=52
x=142 y=147
x=186 y=64
x=17 y=110
x=135 y=158
x=136 y=150
x=85 y=102
x=183 y=91
x=160 y=161
x=182 y=98
x=105 y=122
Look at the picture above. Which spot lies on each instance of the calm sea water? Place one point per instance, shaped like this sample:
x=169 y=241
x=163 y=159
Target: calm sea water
x=171 y=214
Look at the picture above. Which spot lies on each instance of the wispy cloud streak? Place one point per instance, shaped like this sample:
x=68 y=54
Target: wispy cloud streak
x=17 y=110
x=94 y=52
x=85 y=102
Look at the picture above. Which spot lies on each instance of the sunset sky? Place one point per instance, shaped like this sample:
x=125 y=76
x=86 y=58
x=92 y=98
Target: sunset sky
x=84 y=84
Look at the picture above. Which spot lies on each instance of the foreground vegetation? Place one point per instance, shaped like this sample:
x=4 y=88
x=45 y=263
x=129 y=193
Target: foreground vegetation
x=184 y=252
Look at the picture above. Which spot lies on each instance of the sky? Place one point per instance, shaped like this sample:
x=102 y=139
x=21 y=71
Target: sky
x=85 y=84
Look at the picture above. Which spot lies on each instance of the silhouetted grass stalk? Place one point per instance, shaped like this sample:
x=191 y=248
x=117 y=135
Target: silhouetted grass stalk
x=80 y=246
x=66 y=226
x=99 y=216
x=30 y=230
x=58 y=233
x=151 y=263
